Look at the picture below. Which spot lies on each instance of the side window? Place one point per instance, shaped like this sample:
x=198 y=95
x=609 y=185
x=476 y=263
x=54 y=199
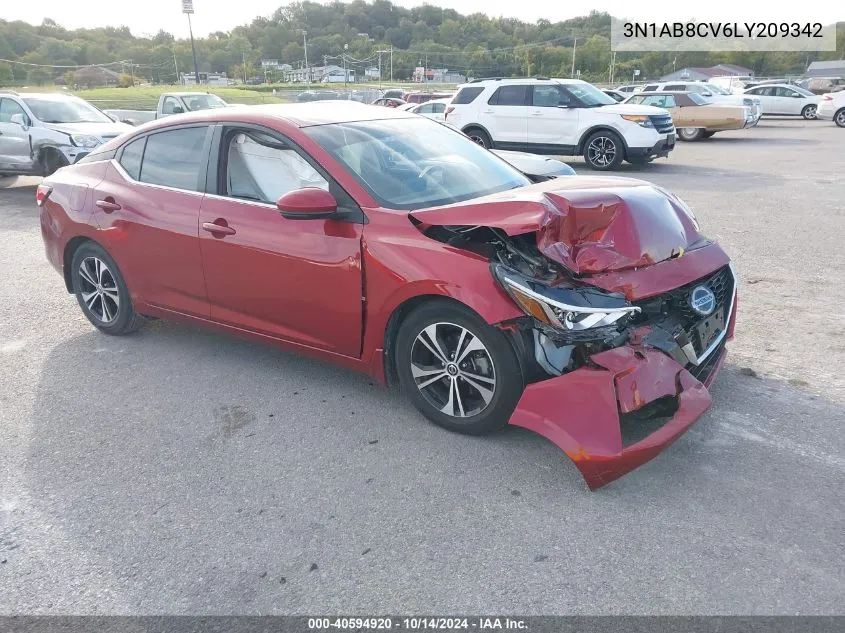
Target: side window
x=548 y=97
x=8 y=108
x=175 y=158
x=467 y=95
x=130 y=160
x=509 y=96
x=669 y=102
x=786 y=92
x=259 y=167
x=670 y=87
x=635 y=99
x=767 y=92
x=170 y=105
x=438 y=108
x=425 y=109
x=650 y=88
x=655 y=100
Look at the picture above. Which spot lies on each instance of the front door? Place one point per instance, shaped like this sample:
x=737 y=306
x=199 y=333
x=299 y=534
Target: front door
x=15 y=152
x=297 y=280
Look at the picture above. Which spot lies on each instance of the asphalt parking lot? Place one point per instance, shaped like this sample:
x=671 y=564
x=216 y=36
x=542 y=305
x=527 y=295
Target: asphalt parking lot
x=182 y=471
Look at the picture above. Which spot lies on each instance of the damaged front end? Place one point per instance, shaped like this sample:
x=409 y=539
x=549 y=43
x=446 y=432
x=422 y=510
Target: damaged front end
x=617 y=359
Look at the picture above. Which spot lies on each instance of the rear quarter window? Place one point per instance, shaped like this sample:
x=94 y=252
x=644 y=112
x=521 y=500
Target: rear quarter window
x=130 y=159
x=467 y=95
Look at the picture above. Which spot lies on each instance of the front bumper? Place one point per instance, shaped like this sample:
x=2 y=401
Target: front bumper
x=660 y=149
x=626 y=404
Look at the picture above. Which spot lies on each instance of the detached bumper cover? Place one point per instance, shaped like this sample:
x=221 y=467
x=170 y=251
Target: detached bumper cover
x=582 y=412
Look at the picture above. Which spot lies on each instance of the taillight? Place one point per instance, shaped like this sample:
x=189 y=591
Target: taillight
x=827 y=98
x=448 y=110
x=42 y=193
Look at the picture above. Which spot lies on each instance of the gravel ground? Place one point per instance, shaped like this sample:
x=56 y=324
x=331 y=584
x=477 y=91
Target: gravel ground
x=182 y=471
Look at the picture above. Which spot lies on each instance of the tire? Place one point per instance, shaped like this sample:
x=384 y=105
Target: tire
x=809 y=112
x=839 y=117
x=479 y=137
x=101 y=291
x=51 y=160
x=690 y=133
x=488 y=380
x=604 y=150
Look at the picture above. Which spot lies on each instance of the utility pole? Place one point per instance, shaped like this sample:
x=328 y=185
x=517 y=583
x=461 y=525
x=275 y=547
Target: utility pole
x=132 y=71
x=391 y=64
x=574 y=44
x=176 y=66
x=612 y=64
x=305 y=45
x=188 y=9
x=243 y=57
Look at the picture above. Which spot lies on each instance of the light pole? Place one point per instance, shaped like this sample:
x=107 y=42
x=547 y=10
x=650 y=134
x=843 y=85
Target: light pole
x=345 y=76
x=188 y=9
x=305 y=45
x=574 y=44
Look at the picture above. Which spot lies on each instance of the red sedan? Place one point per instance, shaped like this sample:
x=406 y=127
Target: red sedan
x=588 y=309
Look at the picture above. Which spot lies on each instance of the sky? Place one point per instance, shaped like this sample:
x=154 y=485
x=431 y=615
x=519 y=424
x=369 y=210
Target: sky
x=148 y=16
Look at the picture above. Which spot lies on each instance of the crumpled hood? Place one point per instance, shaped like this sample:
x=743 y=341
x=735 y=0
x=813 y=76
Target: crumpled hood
x=589 y=224
x=99 y=130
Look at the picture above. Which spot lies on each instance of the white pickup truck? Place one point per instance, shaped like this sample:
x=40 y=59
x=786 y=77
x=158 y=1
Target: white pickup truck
x=170 y=103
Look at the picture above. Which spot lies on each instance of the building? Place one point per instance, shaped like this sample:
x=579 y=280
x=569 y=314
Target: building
x=705 y=74
x=835 y=68
x=437 y=76
x=95 y=77
x=372 y=73
x=209 y=79
x=320 y=74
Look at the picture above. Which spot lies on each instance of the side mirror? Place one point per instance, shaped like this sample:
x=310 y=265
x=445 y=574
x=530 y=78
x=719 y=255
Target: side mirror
x=310 y=203
x=178 y=110
x=20 y=120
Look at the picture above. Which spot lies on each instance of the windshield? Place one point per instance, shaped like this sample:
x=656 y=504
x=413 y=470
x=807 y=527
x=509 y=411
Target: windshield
x=65 y=110
x=717 y=89
x=589 y=95
x=203 y=102
x=415 y=163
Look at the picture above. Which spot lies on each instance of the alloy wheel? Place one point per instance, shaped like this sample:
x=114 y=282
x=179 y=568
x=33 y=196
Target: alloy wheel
x=810 y=112
x=98 y=289
x=602 y=151
x=475 y=138
x=840 y=118
x=453 y=370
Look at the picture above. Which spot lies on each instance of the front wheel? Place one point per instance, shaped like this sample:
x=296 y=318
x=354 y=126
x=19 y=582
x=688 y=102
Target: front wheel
x=839 y=117
x=604 y=151
x=101 y=291
x=460 y=372
x=809 y=112
x=690 y=133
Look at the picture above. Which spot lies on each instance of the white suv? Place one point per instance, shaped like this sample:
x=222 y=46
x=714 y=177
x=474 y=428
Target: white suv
x=560 y=116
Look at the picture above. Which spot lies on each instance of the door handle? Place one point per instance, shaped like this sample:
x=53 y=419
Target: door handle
x=536 y=113
x=218 y=227
x=108 y=205
x=487 y=112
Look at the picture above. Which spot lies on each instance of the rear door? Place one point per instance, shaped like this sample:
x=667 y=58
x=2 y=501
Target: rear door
x=15 y=152
x=768 y=100
x=295 y=280
x=148 y=207
x=553 y=119
x=506 y=116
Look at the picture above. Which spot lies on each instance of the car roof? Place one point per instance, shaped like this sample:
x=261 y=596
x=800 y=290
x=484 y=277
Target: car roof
x=660 y=93
x=43 y=95
x=295 y=114
x=497 y=81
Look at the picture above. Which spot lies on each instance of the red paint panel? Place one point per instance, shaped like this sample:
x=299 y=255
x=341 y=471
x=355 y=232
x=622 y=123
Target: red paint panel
x=298 y=280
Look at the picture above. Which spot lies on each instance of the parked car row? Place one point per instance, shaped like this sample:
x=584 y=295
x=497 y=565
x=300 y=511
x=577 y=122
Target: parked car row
x=491 y=298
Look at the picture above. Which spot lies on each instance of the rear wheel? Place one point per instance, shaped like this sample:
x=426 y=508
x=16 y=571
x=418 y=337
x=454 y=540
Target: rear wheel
x=101 y=291
x=809 y=111
x=460 y=372
x=839 y=117
x=690 y=133
x=479 y=137
x=604 y=150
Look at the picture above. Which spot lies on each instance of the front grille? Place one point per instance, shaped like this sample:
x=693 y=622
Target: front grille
x=662 y=122
x=673 y=308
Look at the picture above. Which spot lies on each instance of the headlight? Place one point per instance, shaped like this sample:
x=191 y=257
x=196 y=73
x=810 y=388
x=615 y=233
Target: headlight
x=84 y=140
x=571 y=310
x=640 y=119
